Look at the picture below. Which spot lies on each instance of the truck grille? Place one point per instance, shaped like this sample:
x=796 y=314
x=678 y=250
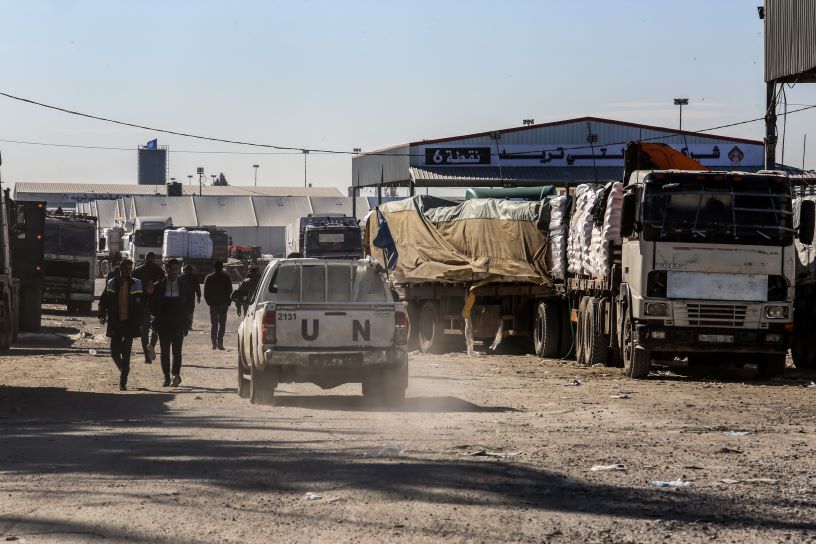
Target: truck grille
x=714 y=315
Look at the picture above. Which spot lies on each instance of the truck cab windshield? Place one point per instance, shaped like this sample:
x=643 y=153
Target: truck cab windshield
x=323 y=241
x=69 y=238
x=149 y=238
x=751 y=211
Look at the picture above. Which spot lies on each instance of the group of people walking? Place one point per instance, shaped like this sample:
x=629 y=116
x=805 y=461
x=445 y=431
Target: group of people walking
x=157 y=305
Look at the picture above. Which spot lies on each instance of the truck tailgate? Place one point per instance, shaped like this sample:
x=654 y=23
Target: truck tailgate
x=334 y=326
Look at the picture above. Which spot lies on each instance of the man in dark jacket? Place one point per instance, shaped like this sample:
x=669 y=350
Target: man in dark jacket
x=169 y=305
x=149 y=273
x=218 y=295
x=191 y=278
x=121 y=306
x=246 y=289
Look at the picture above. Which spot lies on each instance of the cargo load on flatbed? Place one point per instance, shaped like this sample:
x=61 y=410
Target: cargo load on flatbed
x=428 y=239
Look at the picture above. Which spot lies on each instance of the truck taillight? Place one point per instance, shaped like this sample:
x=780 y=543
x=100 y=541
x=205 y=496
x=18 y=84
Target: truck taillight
x=268 y=328
x=400 y=328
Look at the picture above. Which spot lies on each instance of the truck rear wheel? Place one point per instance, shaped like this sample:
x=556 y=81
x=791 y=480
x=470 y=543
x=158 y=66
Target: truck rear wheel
x=104 y=268
x=430 y=330
x=636 y=359
x=567 y=348
x=547 y=330
x=84 y=307
x=386 y=386
x=803 y=350
x=262 y=386
x=580 y=332
x=771 y=366
x=30 y=308
x=596 y=347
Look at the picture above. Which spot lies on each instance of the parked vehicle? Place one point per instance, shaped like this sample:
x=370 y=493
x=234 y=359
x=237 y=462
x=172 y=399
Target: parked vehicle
x=27 y=234
x=69 y=268
x=110 y=250
x=669 y=263
x=203 y=247
x=147 y=235
x=9 y=286
x=327 y=322
x=325 y=236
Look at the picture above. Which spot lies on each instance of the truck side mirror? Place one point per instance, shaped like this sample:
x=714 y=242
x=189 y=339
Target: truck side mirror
x=628 y=209
x=807 y=221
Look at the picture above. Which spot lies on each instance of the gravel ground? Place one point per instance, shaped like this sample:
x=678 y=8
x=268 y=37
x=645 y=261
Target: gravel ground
x=486 y=449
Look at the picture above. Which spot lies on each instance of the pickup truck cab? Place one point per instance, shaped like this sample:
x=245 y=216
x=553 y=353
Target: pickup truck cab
x=327 y=322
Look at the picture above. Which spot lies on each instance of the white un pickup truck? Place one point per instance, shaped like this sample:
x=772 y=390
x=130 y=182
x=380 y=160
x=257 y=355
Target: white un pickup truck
x=327 y=322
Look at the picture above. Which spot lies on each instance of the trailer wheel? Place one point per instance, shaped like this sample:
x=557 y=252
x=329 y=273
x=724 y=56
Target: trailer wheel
x=636 y=359
x=771 y=366
x=803 y=350
x=431 y=330
x=104 y=268
x=7 y=333
x=567 y=347
x=580 y=332
x=262 y=384
x=547 y=330
x=597 y=343
x=30 y=308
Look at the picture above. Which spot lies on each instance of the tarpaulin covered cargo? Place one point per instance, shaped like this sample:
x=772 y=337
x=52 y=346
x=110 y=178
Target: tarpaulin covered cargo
x=436 y=239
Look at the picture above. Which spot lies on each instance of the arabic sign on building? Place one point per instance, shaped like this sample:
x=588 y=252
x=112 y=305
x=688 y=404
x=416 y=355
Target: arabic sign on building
x=724 y=154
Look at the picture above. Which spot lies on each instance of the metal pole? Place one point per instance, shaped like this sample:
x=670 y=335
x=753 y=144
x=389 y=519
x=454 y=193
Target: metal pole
x=255 y=166
x=305 y=152
x=804 y=149
x=681 y=116
x=770 y=125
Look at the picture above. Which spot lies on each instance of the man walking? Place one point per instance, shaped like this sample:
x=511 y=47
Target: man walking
x=191 y=278
x=121 y=306
x=218 y=295
x=149 y=273
x=246 y=289
x=169 y=306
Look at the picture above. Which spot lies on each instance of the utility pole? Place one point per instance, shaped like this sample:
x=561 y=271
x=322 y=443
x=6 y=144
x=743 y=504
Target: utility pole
x=189 y=179
x=255 y=166
x=681 y=102
x=200 y=172
x=305 y=154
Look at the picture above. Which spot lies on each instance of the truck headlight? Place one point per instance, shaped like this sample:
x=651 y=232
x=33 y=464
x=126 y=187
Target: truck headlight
x=656 y=308
x=776 y=312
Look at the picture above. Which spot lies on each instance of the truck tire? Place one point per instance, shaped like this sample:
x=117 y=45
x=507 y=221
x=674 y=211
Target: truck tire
x=596 y=348
x=7 y=327
x=262 y=386
x=567 y=347
x=803 y=350
x=771 y=366
x=547 y=330
x=386 y=386
x=243 y=382
x=636 y=359
x=104 y=268
x=580 y=345
x=431 y=329
x=84 y=307
x=30 y=308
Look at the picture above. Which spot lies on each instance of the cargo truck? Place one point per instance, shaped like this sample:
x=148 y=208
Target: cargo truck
x=147 y=236
x=69 y=267
x=329 y=236
x=698 y=265
x=27 y=235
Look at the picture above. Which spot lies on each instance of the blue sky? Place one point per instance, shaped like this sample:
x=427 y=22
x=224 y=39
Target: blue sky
x=363 y=74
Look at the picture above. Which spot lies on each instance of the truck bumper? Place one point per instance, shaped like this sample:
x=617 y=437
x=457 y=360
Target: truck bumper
x=656 y=337
x=59 y=297
x=338 y=360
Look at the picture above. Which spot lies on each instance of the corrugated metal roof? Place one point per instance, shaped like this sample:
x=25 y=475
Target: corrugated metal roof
x=790 y=40
x=122 y=189
x=455 y=176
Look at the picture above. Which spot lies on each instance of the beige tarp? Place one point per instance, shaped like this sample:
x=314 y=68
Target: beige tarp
x=481 y=238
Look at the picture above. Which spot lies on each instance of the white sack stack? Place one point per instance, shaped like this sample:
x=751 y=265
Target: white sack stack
x=181 y=243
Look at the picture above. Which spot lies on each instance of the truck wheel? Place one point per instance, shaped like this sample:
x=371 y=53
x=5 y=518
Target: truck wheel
x=547 y=330
x=567 y=344
x=262 y=386
x=243 y=382
x=7 y=330
x=30 y=309
x=580 y=353
x=431 y=330
x=636 y=359
x=104 y=269
x=803 y=350
x=771 y=366
x=387 y=386
x=84 y=307
x=597 y=343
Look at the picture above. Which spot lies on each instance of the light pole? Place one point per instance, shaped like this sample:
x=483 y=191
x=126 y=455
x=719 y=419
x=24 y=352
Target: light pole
x=189 y=179
x=255 y=166
x=681 y=102
x=305 y=154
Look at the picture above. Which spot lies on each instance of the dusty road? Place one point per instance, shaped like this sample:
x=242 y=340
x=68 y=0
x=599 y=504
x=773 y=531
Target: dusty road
x=497 y=449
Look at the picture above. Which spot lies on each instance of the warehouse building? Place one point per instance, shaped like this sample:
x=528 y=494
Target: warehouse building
x=566 y=152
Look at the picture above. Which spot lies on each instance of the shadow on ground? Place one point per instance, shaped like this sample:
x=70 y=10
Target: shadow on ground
x=55 y=431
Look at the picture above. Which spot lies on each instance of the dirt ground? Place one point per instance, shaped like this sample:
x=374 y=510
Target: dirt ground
x=496 y=449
